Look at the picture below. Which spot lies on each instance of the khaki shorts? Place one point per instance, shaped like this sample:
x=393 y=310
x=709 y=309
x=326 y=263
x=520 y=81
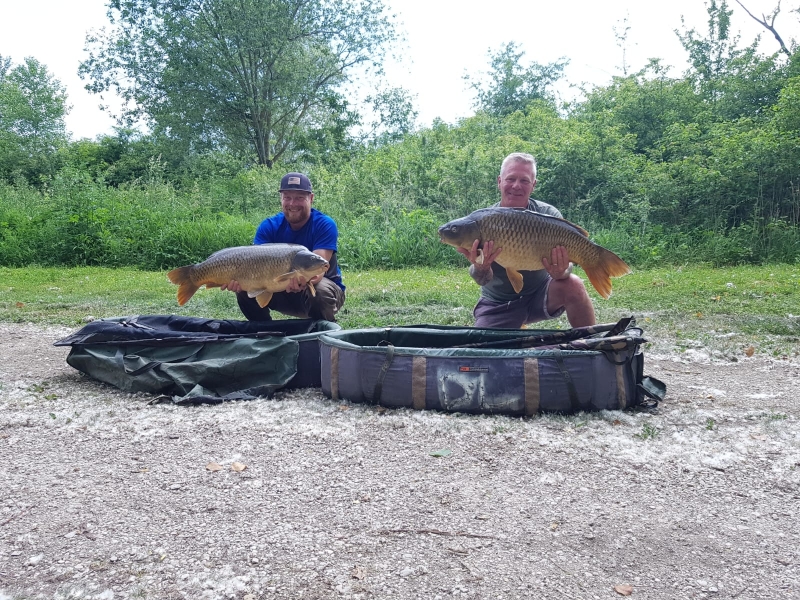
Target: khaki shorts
x=530 y=308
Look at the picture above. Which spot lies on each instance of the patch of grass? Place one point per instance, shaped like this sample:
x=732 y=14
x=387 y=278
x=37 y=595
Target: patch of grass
x=688 y=306
x=649 y=431
x=711 y=424
x=776 y=417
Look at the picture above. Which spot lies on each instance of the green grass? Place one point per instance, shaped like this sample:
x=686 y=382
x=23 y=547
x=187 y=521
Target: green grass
x=728 y=309
x=649 y=432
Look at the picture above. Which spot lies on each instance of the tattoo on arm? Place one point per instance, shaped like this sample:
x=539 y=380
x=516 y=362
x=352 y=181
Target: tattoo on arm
x=481 y=277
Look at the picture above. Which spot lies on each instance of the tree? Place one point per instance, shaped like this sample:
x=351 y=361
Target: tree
x=33 y=105
x=239 y=74
x=393 y=116
x=769 y=26
x=510 y=86
x=733 y=82
x=621 y=35
x=711 y=56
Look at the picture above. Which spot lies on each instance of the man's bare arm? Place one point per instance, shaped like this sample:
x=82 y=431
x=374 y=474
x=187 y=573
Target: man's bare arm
x=481 y=276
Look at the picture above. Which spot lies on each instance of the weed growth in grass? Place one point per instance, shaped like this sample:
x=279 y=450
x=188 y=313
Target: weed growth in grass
x=777 y=417
x=649 y=431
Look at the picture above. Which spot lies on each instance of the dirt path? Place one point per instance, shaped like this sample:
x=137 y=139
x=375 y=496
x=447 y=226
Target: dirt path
x=103 y=496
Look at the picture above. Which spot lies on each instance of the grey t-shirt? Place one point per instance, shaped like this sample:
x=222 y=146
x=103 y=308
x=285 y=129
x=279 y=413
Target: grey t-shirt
x=499 y=289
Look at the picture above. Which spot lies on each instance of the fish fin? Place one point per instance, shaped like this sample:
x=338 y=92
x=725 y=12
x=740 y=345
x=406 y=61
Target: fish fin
x=263 y=298
x=254 y=293
x=285 y=276
x=600 y=273
x=312 y=289
x=182 y=277
x=479 y=258
x=579 y=229
x=515 y=278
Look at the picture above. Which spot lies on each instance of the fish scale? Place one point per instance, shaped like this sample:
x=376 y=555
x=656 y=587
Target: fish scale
x=526 y=236
x=526 y=240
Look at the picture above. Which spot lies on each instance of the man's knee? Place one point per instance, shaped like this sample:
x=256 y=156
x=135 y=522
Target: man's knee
x=327 y=301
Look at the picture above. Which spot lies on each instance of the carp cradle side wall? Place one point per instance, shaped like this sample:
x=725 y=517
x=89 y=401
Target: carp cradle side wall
x=493 y=371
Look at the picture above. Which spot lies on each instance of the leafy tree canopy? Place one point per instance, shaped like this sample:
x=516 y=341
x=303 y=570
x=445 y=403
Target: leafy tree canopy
x=246 y=75
x=510 y=86
x=33 y=105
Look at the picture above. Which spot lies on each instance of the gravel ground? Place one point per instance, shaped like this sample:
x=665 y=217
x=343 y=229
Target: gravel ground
x=104 y=496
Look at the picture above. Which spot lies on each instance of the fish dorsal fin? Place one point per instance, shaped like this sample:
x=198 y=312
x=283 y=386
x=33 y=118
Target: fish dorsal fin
x=580 y=229
x=263 y=298
x=515 y=278
x=577 y=228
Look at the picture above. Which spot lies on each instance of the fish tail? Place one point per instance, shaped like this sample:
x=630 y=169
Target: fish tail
x=182 y=276
x=608 y=265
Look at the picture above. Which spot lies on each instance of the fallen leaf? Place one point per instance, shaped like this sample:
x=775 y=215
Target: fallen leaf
x=212 y=466
x=616 y=422
x=344 y=407
x=238 y=467
x=441 y=453
x=750 y=351
x=357 y=573
x=624 y=589
x=699 y=315
x=20 y=304
x=553 y=526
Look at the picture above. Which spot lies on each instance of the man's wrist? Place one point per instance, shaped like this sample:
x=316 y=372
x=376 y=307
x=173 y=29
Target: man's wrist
x=567 y=273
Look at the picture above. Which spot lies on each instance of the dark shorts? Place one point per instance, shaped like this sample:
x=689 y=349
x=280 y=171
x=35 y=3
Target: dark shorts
x=514 y=313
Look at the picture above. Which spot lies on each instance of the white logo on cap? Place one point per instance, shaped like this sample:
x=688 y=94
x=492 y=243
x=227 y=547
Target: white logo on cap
x=294 y=181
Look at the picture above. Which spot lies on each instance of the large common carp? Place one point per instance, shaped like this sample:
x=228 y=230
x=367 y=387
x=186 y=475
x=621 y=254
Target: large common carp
x=261 y=270
x=526 y=236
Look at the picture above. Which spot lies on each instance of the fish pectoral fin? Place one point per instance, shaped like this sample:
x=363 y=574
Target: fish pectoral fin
x=312 y=289
x=285 y=277
x=515 y=278
x=263 y=298
x=479 y=258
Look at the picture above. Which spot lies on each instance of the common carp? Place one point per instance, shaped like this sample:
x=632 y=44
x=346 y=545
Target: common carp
x=526 y=236
x=261 y=270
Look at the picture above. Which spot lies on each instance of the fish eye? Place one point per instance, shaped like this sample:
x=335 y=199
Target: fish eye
x=454 y=228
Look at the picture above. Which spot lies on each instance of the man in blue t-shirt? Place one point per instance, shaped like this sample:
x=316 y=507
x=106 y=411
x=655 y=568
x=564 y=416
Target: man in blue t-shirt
x=299 y=223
